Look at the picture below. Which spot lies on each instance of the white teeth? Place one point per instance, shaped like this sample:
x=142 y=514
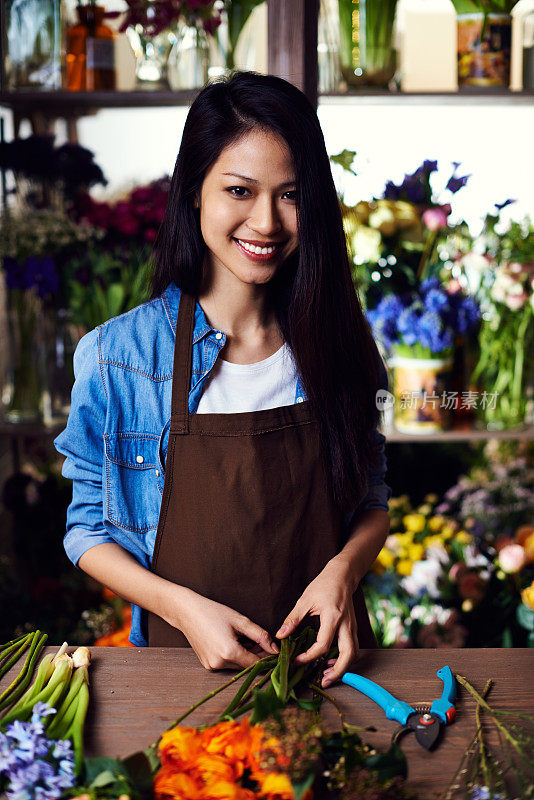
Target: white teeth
x=258 y=250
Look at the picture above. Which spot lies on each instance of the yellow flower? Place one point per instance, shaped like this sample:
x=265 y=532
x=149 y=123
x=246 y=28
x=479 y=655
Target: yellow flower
x=404 y=566
x=404 y=539
x=431 y=498
x=527 y=596
x=277 y=784
x=436 y=523
x=462 y=537
x=416 y=552
x=467 y=606
x=414 y=522
x=386 y=558
x=432 y=541
x=425 y=509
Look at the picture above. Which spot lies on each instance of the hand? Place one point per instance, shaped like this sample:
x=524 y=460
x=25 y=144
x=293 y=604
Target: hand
x=212 y=630
x=329 y=596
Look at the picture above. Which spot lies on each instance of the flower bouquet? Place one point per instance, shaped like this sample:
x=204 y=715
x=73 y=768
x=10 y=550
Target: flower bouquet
x=419 y=330
x=446 y=582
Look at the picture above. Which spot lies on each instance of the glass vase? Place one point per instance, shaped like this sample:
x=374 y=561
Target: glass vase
x=151 y=57
x=367 y=55
x=505 y=369
x=61 y=340
x=33 y=40
x=23 y=392
x=189 y=59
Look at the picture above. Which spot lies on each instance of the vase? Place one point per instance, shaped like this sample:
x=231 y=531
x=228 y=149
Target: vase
x=420 y=387
x=504 y=373
x=367 y=55
x=33 y=44
x=23 y=392
x=61 y=339
x=189 y=58
x=151 y=57
x=484 y=43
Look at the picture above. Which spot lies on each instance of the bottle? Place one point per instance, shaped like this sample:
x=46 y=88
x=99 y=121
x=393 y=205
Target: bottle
x=521 y=66
x=425 y=36
x=90 y=58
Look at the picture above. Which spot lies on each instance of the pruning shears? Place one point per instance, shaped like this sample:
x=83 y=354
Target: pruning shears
x=426 y=721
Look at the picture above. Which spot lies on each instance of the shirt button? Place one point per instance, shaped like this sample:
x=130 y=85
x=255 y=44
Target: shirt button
x=139 y=459
x=300 y=399
x=157 y=473
x=218 y=335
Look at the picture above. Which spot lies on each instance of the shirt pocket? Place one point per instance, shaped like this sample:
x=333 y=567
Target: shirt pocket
x=133 y=499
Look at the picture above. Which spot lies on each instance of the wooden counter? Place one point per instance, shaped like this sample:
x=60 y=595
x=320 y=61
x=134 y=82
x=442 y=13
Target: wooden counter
x=138 y=693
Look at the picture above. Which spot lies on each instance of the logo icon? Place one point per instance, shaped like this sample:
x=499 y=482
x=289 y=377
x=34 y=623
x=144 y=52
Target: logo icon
x=384 y=399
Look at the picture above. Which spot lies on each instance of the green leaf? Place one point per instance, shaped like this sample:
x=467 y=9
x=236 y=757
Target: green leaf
x=525 y=617
x=266 y=704
x=103 y=779
x=300 y=789
x=93 y=767
x=140 y=768
x=345 y=159
x=388 y=764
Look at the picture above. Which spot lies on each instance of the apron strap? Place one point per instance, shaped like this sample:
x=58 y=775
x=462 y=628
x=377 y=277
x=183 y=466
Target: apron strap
x=181 y=373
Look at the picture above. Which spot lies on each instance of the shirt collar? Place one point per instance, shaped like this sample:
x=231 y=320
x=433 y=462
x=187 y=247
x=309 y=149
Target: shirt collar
x=171 y=301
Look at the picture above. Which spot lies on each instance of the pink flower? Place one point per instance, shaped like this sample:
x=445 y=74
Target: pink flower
x=512 y=558
x=435 y=219
x=516 y=298
x=457 y=570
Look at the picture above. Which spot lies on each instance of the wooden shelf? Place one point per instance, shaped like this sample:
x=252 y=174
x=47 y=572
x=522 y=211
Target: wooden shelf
x=470 y=95
x=80 y=102
x=459 y=435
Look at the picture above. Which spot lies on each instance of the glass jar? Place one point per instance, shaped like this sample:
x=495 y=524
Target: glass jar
x=33 y=34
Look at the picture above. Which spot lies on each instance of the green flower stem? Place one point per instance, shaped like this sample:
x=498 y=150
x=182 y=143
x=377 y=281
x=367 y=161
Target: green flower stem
x=257 y=668
x=13 y=692
x=15 y=651
x=480 y=735
x=56 y=724
x=8 y=645
x=51 y=693
x=267 y=661
x=75 y=731
x=43 y=674
x=480 y=700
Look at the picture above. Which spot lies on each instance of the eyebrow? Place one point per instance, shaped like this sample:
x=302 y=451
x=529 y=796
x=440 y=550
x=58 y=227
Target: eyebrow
x=253 y=180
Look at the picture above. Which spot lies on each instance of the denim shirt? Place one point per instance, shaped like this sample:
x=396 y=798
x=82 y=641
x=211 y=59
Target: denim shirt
x=115 y=441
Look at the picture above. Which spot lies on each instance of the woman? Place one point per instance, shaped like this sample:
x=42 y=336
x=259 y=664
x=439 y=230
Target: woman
x=228 y=477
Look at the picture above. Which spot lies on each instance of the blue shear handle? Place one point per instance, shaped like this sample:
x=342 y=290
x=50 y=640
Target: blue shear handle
x=395 y=709
x=446 y=701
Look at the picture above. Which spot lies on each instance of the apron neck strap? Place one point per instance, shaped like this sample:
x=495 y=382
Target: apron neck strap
x=181 y=373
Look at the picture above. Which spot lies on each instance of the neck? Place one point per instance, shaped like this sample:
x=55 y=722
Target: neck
x=239 y=309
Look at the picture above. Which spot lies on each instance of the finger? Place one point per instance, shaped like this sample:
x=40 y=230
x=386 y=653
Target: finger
x=348 y=652
x=257 y=634
x=291 y=621
x=241 y=657
x=321 y=646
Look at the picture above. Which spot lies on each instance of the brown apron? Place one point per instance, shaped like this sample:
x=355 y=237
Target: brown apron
x=247 y=516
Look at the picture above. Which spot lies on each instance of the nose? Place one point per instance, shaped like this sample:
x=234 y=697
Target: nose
x=265 y=218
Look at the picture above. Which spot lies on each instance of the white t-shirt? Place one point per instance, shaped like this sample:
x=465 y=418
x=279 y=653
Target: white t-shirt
x=232 y=388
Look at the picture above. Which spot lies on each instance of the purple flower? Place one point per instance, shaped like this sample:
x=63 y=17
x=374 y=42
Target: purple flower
x=33 y=272
x=500 y=206
x=456 y=183
x=32 y=766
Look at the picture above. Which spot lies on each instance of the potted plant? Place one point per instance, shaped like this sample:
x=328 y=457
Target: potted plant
x=418 y=329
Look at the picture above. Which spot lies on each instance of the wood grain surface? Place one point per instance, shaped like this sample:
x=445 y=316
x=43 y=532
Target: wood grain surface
x=138 y=693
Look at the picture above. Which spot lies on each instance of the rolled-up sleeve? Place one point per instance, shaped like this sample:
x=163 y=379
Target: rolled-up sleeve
x=82 y=444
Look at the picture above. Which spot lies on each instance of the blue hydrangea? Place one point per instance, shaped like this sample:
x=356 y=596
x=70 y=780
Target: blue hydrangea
x=32 y=766
x=483 y=793
x=431 y=317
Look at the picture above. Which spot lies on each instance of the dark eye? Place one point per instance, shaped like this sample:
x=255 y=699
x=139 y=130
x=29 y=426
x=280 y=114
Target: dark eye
x=292 y=192
x=231 y=189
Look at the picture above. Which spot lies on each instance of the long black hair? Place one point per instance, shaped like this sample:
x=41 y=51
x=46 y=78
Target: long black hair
x=313 y=296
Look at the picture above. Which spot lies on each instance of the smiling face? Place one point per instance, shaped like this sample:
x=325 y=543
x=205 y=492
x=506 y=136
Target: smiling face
x=248 y=202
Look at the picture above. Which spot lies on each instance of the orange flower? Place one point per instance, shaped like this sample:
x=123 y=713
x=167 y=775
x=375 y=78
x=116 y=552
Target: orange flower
x=118 y=638
x=168 y=784
x=523 y=533
x=180 y=747
x=276 y=785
